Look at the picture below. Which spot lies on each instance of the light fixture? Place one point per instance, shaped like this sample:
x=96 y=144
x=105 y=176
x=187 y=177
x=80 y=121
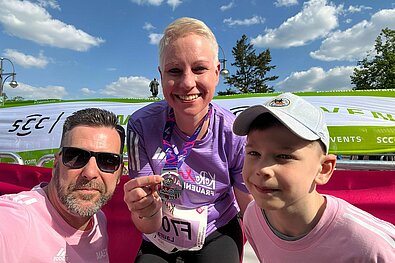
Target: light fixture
x=13 y=82
x=224 y=71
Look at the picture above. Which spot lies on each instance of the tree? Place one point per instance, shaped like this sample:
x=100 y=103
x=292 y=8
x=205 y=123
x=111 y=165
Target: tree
x=228 y=91
x=377 y=72
x=251 y=70
x=18 y=98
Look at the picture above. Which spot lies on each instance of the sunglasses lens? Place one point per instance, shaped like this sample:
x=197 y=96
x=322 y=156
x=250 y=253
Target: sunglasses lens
x=108 y=162
x=74 y=157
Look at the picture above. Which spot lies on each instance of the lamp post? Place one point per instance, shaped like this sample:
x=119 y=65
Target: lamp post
x=224 y=71
x=4 y=77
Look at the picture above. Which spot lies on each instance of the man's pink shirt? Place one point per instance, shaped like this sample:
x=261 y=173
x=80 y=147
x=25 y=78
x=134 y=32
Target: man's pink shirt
x=31 y=230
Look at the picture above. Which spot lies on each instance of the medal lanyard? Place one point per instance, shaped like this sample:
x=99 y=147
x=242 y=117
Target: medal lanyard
x=174 y=160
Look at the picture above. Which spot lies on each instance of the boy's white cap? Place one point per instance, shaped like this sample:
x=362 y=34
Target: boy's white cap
x=299 y=116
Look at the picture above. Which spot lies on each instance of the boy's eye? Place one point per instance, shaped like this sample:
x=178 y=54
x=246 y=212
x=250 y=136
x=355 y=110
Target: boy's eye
x=253 y=153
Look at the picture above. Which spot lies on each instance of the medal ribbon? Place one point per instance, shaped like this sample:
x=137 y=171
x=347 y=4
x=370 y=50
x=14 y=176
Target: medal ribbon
x=174 y=160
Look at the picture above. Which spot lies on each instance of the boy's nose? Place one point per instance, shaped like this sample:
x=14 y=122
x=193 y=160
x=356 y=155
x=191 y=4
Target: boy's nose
x=266 y=170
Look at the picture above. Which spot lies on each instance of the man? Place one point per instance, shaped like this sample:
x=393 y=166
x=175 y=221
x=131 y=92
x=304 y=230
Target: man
x=154 y=87
x=61 y=221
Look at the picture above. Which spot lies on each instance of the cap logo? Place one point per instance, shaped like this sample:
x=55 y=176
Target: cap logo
x=280 y=102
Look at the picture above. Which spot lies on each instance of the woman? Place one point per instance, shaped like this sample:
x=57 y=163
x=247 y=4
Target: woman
x=184 y=159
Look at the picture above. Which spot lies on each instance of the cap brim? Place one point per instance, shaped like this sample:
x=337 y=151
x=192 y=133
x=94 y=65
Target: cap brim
x=242 y=124
x=294 y=125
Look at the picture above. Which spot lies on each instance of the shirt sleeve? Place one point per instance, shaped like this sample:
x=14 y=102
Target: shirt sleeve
x=14 y=230
x=253 y=228
x=236 y=164
x=138 y=160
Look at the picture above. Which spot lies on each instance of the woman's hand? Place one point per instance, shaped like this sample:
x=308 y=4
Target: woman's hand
x=144 y=202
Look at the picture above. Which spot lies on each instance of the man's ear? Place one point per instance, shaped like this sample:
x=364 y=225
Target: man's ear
x=55 y=162
x=328 y=164
x=57 y=159
x=121 y=170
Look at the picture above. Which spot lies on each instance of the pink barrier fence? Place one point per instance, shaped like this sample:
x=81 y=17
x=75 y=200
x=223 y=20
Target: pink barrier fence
x=372 y=191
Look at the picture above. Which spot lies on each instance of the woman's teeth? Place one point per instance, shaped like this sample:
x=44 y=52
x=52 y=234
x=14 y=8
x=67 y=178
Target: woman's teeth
x=188 y=97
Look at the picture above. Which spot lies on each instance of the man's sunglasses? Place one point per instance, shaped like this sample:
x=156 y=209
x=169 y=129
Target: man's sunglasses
x=76 y=158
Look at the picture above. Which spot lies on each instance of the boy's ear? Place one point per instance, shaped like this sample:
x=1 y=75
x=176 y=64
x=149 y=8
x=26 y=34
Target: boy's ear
x=327 y=167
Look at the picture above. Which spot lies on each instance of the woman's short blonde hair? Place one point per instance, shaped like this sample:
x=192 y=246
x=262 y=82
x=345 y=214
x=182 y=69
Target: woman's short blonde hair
x=185 y=26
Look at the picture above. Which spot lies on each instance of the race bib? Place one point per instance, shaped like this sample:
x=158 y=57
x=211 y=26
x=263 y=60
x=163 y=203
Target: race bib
x=182 y=229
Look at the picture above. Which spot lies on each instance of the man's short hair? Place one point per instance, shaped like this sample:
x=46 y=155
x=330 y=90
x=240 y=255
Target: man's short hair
x=93 y=117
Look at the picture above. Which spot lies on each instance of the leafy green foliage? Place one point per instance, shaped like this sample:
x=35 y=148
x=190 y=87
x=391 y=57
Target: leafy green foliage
x=251 y=71
x=228 y=91
x=377 y=71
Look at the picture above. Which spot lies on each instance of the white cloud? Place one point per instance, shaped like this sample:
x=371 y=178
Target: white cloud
x=353 y=43
x=26 y=61
x=279 y=3
x=358 y=9
x=227 y=7
x=148 y=2
x=30 y=21
x=174 y=3
x=148 y=26
x=49 y=3
x=316 y=20
x=316 y=79
x=35 y=93
x=154 y=38
x=352 y=9
x=245 y=22
x=87 y=91
x=128 y=87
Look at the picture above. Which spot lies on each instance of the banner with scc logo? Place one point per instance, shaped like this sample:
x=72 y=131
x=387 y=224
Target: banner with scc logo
x=359 y=122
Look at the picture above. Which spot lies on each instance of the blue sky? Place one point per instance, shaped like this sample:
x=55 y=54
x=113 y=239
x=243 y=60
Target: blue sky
x=77 y=49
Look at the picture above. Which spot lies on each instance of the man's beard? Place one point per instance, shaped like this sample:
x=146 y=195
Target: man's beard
x=71 y=202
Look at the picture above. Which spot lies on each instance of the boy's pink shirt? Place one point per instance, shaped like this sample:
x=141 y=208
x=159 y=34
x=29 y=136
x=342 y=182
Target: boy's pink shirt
x=345 y=233
x=31 y=230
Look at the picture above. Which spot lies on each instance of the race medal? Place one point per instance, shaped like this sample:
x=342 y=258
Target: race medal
x=171 y=186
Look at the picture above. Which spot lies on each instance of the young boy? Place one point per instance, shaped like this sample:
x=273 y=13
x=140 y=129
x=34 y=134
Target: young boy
x=289 y=221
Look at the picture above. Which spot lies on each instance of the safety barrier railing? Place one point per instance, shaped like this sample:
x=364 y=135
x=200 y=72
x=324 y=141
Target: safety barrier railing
x=347 y=164
x=365 y=165
x=44 y=159
x=340 y=164
x=14 y=156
